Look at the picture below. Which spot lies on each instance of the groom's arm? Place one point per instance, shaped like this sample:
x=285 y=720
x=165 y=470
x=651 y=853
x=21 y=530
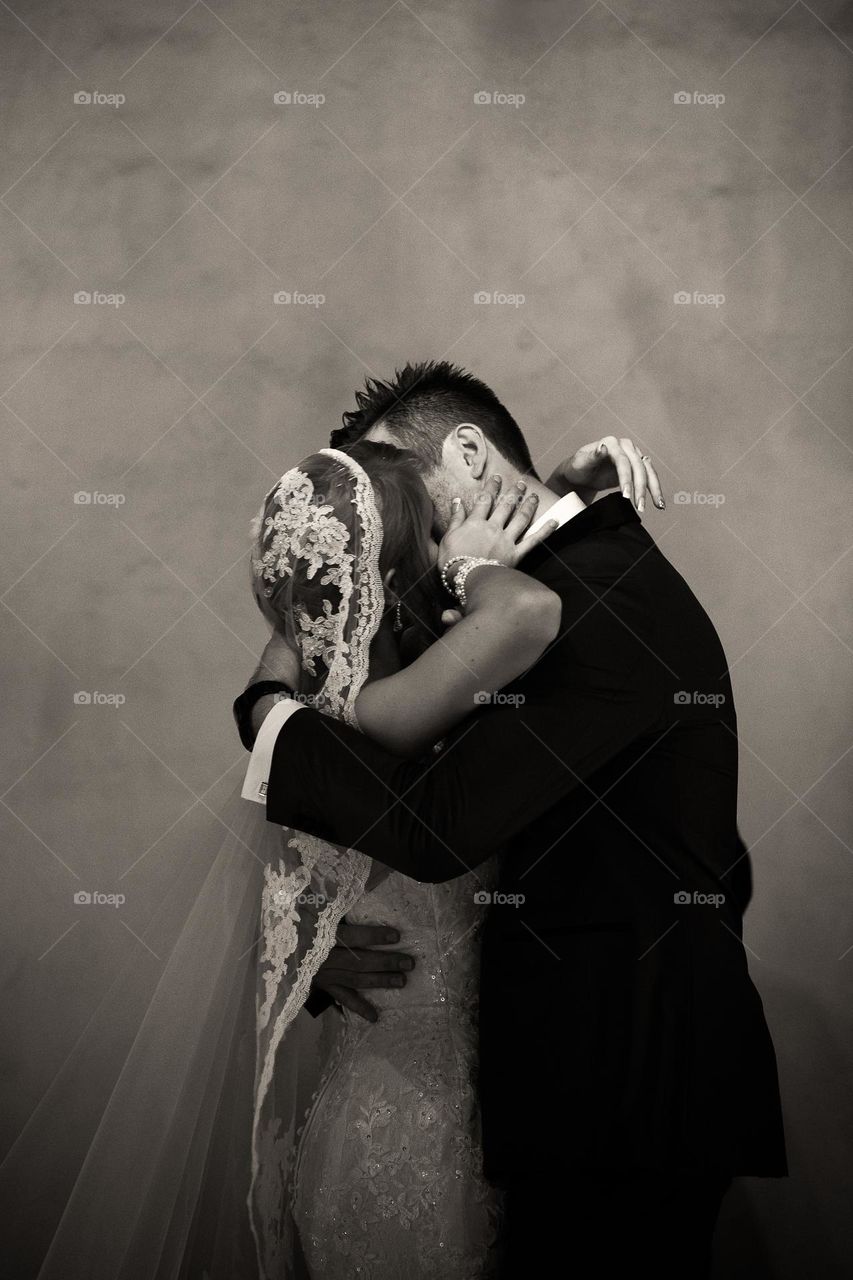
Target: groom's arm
x=276 y=675
x=437 y=819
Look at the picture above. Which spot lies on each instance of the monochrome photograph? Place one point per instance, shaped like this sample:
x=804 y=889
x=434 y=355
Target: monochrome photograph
x=426 y=778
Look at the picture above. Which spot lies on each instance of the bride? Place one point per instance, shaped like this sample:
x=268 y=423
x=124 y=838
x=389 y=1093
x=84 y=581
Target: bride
x=199 y=1089
x=387 y=1179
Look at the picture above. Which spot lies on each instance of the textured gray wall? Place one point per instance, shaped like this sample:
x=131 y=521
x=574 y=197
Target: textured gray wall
x=398 y=199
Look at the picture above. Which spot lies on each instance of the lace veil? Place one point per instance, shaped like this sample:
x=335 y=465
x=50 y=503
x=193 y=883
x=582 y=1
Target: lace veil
x=166 y=1147
x=318 y=540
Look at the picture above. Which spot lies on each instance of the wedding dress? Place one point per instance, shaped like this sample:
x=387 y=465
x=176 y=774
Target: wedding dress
x=197 y=1075
x=389 y=1178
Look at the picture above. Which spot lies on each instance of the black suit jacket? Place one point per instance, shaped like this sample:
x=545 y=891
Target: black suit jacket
x=619 y=1025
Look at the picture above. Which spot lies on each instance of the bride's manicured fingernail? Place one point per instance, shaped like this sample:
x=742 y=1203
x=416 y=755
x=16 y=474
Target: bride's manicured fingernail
x=661 y=504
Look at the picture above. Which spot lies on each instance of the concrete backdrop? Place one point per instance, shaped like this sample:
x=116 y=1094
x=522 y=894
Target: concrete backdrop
x=399 y=198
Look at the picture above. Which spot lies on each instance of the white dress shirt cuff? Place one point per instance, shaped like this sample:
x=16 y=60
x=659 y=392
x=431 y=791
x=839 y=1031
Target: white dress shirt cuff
x=258 y=772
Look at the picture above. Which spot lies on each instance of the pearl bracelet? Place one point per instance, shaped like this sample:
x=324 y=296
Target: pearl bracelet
x=457 y=586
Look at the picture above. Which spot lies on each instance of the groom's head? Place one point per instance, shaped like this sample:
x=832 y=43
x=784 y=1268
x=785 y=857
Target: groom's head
x=452 y=421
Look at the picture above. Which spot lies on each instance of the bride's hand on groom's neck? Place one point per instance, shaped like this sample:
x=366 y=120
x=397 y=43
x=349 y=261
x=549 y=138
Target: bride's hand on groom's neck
x=609 y=463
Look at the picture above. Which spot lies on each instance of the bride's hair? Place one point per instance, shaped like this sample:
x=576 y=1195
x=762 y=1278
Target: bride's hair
x=406 y=512
x=407 y=515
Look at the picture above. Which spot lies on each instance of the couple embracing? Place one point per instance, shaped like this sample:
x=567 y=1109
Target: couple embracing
x=498 y=812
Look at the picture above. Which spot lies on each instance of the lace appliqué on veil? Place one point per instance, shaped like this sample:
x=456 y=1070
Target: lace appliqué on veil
x=314 y=884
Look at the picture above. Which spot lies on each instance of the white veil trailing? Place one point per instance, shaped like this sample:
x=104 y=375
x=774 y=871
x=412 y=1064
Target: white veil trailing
x=166 y=1147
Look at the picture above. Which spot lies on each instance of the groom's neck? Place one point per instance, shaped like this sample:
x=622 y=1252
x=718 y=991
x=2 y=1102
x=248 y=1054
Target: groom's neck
x=547 y=497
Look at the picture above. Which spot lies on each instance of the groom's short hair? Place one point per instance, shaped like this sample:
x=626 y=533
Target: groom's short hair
x=423 y=403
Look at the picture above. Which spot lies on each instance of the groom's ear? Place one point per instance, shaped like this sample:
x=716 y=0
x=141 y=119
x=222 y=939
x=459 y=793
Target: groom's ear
x=466 y=451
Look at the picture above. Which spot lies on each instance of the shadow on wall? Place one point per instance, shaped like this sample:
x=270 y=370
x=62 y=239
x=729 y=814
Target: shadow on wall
x=790 y=1227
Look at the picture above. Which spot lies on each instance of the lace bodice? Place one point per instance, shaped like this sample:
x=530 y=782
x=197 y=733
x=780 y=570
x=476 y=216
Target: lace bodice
x=390 y=1177
x=433 y=921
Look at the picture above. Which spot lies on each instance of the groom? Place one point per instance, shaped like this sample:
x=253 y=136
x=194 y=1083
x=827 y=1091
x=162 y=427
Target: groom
x=627 y=1073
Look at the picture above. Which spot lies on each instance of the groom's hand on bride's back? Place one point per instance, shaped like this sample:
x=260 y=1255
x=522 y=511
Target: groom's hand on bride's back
x=353 y=966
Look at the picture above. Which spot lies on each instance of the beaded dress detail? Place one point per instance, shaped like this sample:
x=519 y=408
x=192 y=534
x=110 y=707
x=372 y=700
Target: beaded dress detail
x=389 y=1178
